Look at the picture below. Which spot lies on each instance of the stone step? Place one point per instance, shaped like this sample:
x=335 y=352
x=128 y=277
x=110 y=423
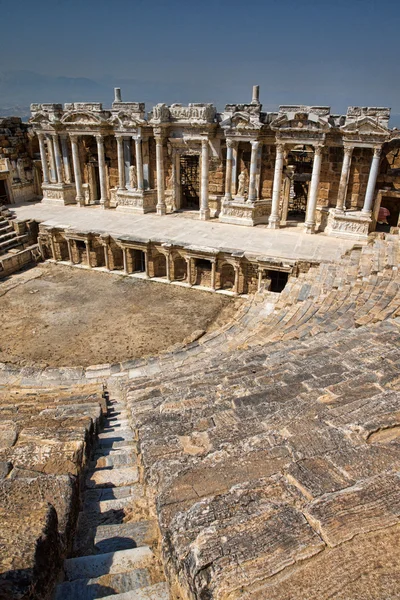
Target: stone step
x=111 y=538
x=115 y=460
x=158 y=591
x=111 y=477
x=105 y=494
x=5 y=236
x=117 y=423
x=97 y=587
x=115 y=443
x=123 y=561
x=117 y=434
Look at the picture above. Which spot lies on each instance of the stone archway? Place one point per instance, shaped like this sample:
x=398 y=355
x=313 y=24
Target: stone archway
x=160 y=265
x=179 y=269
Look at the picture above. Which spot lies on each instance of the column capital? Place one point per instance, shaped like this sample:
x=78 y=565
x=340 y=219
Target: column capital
x=40 y=135
x=280 y=147
x=73 y=137
x=377 y=151
x=159 y=140
x=230 y=143
x=255 y=144
x=204 y=143
x=99 y=138
x=348 y=150
x=318 y=149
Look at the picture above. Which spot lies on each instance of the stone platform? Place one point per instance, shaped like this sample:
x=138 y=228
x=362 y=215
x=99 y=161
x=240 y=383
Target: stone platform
x=288 y=244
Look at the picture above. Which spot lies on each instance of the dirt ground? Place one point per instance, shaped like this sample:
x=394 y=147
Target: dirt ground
x=55 y=315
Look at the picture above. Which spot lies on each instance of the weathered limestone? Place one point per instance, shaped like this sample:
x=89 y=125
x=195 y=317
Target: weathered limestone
x=204 y=208
x=313 y=193
x=273 y=221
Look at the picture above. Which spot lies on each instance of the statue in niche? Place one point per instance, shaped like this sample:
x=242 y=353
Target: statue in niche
x=241 y=184
x=132 y=177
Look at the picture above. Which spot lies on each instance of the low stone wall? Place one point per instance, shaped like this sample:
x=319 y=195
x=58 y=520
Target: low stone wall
x=14 y=262
x=46 y=439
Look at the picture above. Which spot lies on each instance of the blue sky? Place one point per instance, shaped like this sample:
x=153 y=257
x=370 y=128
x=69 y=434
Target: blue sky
x=336 y=53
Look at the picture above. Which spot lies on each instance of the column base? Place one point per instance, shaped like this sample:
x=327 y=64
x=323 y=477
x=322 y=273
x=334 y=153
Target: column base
x=309 y=228
x=354 y=224
x=240 y=212
x=58 y=194
x=136 y=201
x=104 y=203
x=204 y=214
x=274 y=223
x=161 y=209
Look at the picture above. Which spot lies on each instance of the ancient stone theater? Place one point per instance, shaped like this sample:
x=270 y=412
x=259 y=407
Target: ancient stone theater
x=199 y=376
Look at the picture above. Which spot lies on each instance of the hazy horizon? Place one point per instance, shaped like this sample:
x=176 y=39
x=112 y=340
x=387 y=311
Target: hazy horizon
x=314 y=53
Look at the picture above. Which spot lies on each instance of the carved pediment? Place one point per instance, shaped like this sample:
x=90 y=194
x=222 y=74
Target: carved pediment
x=241 y=120
x=126 y=120
x=39 y=118
x=82 y=118
x=364 y=126
x=301 y=121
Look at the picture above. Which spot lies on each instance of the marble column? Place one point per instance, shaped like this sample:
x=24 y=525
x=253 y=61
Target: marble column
x=177 y=180
x=102 y=171
x=373 y=175
x=139 y=163
x=253 y=171
x=43 y=157
x=204 y=210
x=70 y=251
x=121 y=163
x=273 y=221
x=53 y=173
x=87 y=244
x=228 y=175
x=57 y=156
x=80 y=199
x=344 y=178
x=313 y=192
x=127 y=160
x=213 y=273
x=161 y=208
x=234 y=167
x=65 y=158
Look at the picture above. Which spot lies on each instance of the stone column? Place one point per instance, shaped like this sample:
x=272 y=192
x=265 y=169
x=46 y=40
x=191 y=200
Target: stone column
x=236 y=283
x=177 y=180
x=234 y=167
x=253 y=171
x=168 y=267
x=161 y=208
x=139 y=163
x=373 y=175
x=125 y=259
x=146 y=263
x=344 y=178
x=127 y=160
x=80 y=199
x=53 y=174
x=53 y=247
x=121 y=163
x=102 y=171
x=87 y=244
x=273 y=221
x=204 y=210
x=70 y=251
x=188 y=270
x=260 y=274
x=57 y=155
x=65 y=157
x=228 y=176
x=106 y=255
x=43 y=157
x=213 y=273
x=313 y=193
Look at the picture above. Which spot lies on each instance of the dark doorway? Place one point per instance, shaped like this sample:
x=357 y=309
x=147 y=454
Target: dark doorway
x=393 y=206
x=190 y=182
x=278 y=280
x=138 y=262
x=3 y=192
x=300 y=160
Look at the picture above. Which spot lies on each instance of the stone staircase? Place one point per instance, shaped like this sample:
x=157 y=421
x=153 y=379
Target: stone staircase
x=115 y=548
x=9 y=238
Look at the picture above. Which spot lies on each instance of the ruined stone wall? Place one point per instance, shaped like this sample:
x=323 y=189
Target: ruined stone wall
x=267 y=170
x=16 y=152
x=331 y=167
x=110 y=149
x=358 y=180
